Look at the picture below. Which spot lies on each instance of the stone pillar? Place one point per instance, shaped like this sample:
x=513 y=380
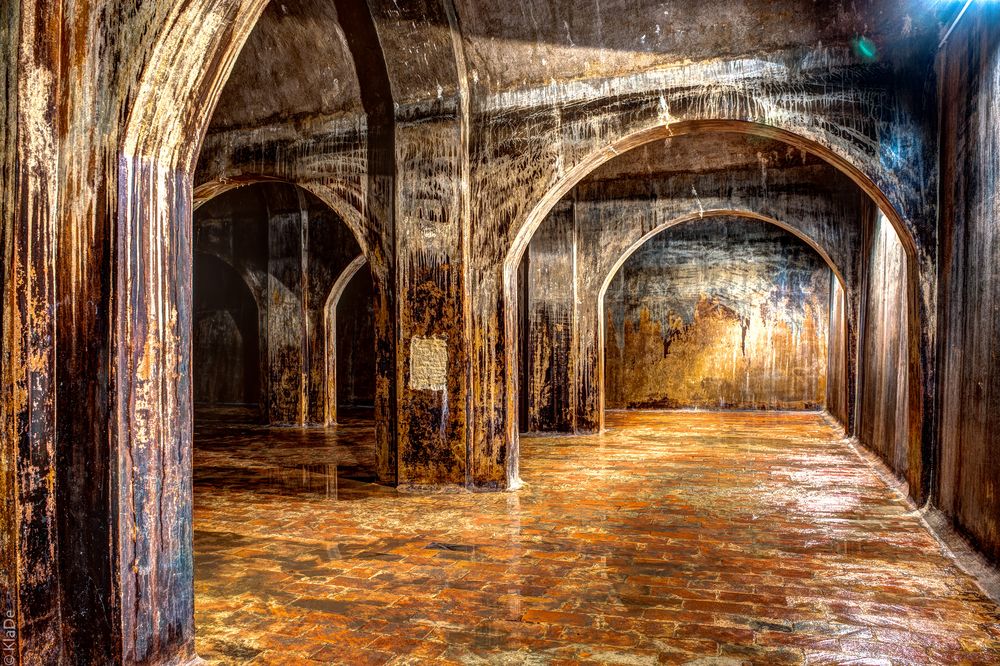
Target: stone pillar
x=30 y=39
x=379 y=218
x=431 y=218
x=287 y=351
x=124 y=319
x=551 y=312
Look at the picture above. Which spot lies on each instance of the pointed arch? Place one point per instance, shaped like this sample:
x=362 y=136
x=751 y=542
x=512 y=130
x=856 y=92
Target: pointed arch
x=330 y=335
x=920 y=300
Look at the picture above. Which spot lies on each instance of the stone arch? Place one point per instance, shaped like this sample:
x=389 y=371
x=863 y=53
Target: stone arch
x=152 y=614
x=345 y=210
x=920 y=300
x=330 y=334
x=589 y=163
x=721 y=212
x=701 y=215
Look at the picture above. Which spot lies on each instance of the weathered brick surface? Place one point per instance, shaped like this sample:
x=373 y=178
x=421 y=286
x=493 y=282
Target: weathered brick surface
x=760 y=538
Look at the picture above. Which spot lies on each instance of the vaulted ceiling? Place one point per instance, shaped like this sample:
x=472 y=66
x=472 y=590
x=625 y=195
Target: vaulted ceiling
x=297 y=63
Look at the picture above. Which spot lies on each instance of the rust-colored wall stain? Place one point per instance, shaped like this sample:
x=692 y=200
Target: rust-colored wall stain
x=723 y=313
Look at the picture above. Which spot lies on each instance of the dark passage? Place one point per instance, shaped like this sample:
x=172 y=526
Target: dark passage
x=284 y=308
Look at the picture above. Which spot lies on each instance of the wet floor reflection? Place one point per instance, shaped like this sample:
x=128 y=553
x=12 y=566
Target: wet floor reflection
x=335 y=464
x=739 y=537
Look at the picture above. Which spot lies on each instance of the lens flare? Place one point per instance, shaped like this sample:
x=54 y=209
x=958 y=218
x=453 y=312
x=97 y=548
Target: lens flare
x=865 y=49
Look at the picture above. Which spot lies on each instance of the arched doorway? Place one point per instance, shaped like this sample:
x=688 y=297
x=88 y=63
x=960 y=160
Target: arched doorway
x=347 y=322
x=226 y=355
x=295 y=256
x=644 y=207
x=718 y=313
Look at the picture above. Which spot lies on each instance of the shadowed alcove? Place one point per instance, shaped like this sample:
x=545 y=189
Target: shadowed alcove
x=226 y=338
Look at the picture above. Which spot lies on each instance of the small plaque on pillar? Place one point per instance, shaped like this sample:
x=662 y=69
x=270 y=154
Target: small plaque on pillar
x=428 y=364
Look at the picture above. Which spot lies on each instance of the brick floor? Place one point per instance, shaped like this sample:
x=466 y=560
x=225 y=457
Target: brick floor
x=676 y=537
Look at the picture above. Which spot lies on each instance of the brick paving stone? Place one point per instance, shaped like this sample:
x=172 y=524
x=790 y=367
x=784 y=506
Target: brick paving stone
x=674 y=537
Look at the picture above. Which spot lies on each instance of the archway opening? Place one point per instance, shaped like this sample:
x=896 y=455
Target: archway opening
x=719 y=313
x=324 y=335
x=283 y=370
x=554 y=275
x=276 y=265
x=349 y=322
x=226 y=356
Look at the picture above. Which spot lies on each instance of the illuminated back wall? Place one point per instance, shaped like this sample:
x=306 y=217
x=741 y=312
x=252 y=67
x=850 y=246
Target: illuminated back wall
x=718 y=313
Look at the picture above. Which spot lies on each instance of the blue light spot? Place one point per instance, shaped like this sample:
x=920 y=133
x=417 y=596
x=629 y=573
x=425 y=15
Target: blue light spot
x=865 y=49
